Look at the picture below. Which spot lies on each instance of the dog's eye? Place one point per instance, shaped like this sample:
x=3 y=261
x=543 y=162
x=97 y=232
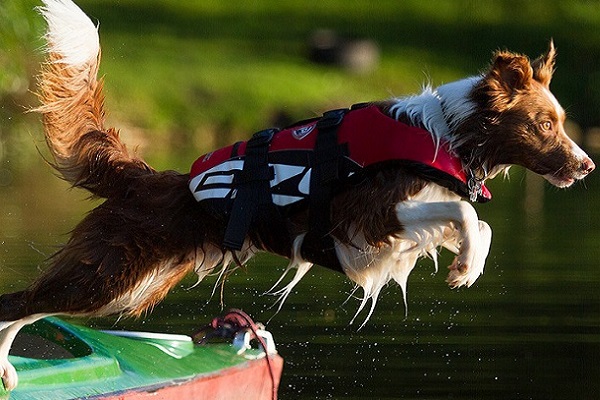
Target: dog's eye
x=546 y=126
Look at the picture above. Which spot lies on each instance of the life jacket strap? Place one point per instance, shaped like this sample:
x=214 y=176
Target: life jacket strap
x=253 y=189
x=318 y=245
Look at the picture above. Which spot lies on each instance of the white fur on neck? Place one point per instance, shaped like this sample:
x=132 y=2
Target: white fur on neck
x=439 y=110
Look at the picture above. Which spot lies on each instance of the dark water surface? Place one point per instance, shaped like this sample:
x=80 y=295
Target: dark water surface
x=528 y=329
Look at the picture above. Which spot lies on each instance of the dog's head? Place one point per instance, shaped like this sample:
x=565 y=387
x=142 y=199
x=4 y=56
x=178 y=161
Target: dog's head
x=520 y=121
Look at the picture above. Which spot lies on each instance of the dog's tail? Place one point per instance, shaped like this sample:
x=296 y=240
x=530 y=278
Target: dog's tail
x=84 y=151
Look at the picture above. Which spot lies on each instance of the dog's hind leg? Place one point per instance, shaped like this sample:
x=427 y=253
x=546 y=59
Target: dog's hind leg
x=65 y=293
x=8 y=332
x=422 y=219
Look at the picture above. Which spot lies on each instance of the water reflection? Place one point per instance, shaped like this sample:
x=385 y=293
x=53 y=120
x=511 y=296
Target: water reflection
x=528 y=329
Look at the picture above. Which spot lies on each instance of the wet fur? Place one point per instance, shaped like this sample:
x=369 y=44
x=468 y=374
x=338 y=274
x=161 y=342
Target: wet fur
x=126 y=254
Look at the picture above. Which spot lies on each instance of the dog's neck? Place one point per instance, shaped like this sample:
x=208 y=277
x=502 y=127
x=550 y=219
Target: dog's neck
x=442 y=112
x=438 y=110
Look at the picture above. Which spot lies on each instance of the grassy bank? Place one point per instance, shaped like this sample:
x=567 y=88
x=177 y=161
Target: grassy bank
x=189 y=76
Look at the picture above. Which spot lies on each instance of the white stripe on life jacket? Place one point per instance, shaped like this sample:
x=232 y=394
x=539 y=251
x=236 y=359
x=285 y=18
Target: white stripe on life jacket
x=217 y=182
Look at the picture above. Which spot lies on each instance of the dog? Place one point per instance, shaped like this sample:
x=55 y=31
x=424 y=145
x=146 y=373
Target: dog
x=355 y=198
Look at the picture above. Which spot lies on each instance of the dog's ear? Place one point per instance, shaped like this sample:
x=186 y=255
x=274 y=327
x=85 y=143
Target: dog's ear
x=543 y=66
x=510 y=72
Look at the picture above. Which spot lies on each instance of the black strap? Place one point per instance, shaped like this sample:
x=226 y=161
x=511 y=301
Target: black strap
x=318 y=245
x=253 y=189
x=235 y=149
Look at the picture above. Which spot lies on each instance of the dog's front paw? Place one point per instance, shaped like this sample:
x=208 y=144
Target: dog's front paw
x=8 y=374
x=462 y=269
x=461 y=275
x=468 y=265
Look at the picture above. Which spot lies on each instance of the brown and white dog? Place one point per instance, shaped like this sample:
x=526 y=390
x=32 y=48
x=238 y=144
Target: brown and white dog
x=150 y=232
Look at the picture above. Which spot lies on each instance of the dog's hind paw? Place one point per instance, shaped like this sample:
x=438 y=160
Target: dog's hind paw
x=9 y=375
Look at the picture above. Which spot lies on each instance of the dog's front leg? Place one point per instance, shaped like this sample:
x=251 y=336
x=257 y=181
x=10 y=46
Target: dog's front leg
x=474 y=236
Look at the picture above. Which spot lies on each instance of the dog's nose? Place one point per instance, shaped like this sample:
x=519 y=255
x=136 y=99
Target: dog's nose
x=587 y=165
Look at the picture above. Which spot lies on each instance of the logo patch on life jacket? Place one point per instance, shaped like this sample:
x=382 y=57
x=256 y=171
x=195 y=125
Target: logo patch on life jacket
x=303 y=132
x=207 y=156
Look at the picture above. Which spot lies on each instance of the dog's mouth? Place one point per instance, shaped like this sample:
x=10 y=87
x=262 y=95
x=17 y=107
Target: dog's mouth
x=558 y=181
x=564 y=178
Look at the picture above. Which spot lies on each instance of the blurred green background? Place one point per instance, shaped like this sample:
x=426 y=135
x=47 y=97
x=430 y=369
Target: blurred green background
x=188 y=76
x=184 y=77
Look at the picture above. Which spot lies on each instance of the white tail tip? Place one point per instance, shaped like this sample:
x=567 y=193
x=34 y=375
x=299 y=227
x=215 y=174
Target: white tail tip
x=71 y=34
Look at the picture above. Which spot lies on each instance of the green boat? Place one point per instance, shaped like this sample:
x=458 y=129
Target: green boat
x=59 y=360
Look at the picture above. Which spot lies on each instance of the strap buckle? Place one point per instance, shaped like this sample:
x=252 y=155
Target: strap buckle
x=261 y=138
x=332 y=118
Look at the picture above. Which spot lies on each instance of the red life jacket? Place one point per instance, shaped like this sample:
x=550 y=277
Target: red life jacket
x=254 y=184
x=371 y=137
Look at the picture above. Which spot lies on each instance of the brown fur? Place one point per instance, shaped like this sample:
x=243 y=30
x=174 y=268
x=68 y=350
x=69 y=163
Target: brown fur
x=368 y=207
